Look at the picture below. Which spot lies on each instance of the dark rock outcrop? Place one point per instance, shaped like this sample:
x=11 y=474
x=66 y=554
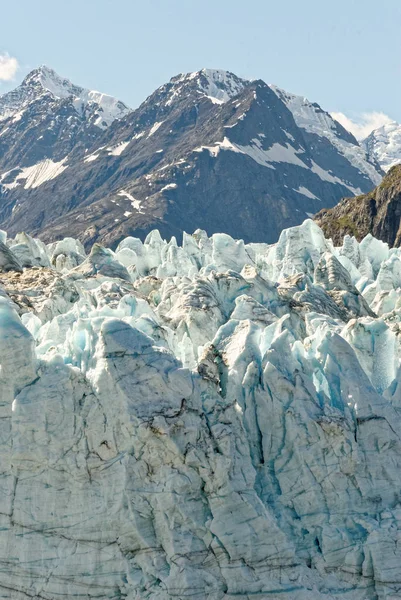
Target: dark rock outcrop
x=378 y=213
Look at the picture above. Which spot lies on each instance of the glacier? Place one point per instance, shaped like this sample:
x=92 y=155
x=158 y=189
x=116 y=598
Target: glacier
x=211 y=420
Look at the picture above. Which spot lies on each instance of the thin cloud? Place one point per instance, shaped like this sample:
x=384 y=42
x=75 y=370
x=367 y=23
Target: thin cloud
x=8 y=67
x=364 y=124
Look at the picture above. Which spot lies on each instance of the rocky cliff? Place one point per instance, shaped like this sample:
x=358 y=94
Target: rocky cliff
x=378 y=213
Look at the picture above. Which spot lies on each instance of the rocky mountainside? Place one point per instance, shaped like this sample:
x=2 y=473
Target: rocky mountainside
x=378 y=213
x=384 y=145
x=317 y=122
x=42 y=121
x=213 y=420
x=207 y=149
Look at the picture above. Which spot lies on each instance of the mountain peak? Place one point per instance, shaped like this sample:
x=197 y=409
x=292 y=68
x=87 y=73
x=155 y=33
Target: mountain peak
x=221 y=85
x=384 y=145
x=217 y=84
x=45 y=78
x=44 y=81
x=42 y=71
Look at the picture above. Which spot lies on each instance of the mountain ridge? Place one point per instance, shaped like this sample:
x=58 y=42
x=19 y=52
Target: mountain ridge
x=44 y=80
x=203 y=147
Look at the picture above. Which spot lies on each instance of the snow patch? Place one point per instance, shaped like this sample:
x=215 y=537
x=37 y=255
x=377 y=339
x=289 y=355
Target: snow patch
x=154 y=128
x=305 y=192
x=18 y=116
x=137 y=136
x=91 y=158
x=224 y=145
x=135 y=203
x=38 y=174
x=215 y=100
x=326 y=176
x=118 y=149
x=276 y=153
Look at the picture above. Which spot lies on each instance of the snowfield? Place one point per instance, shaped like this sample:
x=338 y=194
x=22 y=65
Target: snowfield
x=384 y=145
x=213 y=420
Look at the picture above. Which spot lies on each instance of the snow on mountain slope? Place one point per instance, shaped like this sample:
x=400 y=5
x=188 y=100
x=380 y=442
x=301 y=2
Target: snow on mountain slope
x=213 y=420
x=43 y=121
x=216 y=84
x=312 y=118
x=206 y=149
x=44 y=81
x=32 y=177
x=384 y=145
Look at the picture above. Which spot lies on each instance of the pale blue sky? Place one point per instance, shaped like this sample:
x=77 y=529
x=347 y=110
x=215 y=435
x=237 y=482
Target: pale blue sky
x=343 y=54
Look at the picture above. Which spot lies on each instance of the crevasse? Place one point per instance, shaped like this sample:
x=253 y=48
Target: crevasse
x=212 y=420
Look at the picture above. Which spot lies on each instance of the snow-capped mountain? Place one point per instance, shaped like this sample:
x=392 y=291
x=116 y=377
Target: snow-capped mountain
x=384 y=145
x=217 y=85
x=44 y=84
x=313 y=119
x=47 y=117
x=212 y=421
x=206 y=149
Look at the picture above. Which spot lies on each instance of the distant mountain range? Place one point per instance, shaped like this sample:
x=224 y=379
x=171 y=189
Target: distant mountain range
x=206 y=150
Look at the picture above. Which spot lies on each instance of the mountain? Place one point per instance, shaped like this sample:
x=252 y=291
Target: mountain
x=384 y=145
x=377 y=213
x=208 y=149
x=213 y=421
x=44 y=120
x=314 y=120
x=44 y=85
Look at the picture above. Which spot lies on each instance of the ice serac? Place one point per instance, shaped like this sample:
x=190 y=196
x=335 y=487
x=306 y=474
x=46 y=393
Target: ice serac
x=8 y=260
x=214 y=420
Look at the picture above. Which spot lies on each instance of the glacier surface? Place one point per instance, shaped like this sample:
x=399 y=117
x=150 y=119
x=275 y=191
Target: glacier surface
x=212 y=420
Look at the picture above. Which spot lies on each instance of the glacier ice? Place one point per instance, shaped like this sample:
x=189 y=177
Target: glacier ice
x=212 y=420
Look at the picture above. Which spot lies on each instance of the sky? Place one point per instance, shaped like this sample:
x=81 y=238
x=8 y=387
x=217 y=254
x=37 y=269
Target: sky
x=345 y=54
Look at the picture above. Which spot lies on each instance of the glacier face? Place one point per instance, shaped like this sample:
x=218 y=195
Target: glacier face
x=213 y=420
